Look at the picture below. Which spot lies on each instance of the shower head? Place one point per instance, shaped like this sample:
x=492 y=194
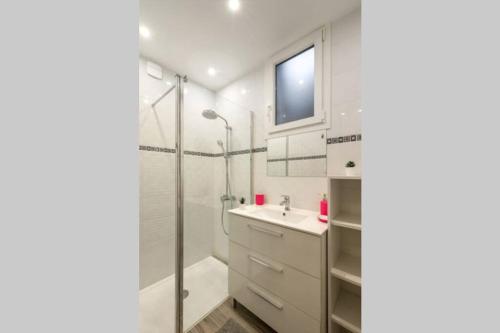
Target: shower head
x=209 y=114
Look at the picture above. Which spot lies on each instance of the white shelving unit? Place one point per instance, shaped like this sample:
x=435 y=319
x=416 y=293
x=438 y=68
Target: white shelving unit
x=344 y=254
x=347 y=311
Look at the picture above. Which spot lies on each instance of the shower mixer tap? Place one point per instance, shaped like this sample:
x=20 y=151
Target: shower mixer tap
x=226 y=197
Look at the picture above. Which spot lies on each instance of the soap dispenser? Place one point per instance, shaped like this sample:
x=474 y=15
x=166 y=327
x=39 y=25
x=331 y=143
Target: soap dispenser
x=323 y=209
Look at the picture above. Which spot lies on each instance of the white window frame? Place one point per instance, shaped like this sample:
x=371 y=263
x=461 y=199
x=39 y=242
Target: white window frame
x=320 y=39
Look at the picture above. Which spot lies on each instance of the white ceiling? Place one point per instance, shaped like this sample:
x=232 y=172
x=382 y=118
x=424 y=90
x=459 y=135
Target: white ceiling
x=188 y=36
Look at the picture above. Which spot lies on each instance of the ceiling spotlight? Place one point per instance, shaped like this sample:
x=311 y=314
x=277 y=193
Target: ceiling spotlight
x=144 y=31
x=243 y=91
x=301 y=82
x=360 y=110
x=234 y=5
x=342 y=114
x=211 y=71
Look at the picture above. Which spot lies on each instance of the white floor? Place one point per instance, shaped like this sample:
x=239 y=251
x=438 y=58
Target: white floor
x=207 y=284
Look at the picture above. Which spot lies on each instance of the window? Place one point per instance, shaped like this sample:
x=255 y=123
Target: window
x=298 y=86
x=295 y=88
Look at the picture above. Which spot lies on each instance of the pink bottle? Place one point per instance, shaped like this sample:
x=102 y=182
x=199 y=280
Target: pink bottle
x=323 y=206
x=323 y=210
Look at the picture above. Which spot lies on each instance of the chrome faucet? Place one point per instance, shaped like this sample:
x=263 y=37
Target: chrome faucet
x=286 y=202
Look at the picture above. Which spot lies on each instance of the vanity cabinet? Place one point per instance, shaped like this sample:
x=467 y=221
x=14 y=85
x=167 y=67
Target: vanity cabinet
x=279 y=274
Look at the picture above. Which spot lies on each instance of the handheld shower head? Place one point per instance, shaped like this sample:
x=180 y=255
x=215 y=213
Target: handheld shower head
x=221 y=145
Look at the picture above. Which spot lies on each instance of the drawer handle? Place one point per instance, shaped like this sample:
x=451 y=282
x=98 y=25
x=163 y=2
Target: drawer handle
x=266 y=298
x=266 y=231
x=266 y=264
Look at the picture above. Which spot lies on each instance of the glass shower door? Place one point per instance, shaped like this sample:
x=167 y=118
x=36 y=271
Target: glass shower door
x=157 y=202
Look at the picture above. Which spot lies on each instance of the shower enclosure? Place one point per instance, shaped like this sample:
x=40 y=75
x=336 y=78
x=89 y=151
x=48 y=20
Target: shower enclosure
x=195 y=164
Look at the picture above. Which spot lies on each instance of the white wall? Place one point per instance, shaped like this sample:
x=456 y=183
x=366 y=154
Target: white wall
x=249 y=92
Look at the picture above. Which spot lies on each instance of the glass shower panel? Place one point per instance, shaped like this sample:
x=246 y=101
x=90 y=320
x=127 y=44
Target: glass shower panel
x=157 y=204
x=207 y=197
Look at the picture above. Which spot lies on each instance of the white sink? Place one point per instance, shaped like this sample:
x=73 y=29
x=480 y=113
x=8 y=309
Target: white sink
x=299 y=219
x=282 y=215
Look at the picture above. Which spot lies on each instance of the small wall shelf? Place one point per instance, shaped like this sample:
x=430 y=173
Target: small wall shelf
x=348 y=268
x=345 y=177
x=344 y=254
x=347 y=220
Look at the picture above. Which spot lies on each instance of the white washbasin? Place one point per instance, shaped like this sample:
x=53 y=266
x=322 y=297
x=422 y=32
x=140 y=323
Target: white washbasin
x=299 y=219
x=282 y=215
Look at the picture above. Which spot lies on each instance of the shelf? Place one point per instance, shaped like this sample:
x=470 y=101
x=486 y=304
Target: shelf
x=345 y=177
x=348 y=268
x=347 y=221
x=347 y=311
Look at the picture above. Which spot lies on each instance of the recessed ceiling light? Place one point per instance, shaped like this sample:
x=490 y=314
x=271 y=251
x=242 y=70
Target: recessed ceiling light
x=185 y=91
x=168 y=83
x=342 y=114
x=144 y=31
x=234 y=5
x=360 y=110
x=301 y=82
x=211 y=71
x=243 y=91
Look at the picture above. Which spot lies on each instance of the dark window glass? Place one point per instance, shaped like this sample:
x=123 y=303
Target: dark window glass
x=295 y=87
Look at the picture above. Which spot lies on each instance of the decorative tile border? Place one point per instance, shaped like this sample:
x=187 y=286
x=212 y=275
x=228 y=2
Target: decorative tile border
x=344 y=139
x=199 y=153
x=277 y=160
x=259 y=150
x=157 y=149
x=298 y=158
x=312 y=157
x=329 y=141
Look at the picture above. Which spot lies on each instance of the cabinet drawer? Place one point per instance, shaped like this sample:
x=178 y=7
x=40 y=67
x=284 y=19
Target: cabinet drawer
x=297 y=249
x=277 y=313
x=296 y=287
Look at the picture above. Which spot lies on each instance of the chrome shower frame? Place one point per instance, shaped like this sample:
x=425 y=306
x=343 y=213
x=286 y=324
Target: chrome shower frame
x=179 y=185
x=179 y=198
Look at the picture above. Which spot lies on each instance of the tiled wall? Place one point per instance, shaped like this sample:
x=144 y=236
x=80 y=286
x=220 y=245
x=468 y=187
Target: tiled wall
x=346 y=120
x=346 y=95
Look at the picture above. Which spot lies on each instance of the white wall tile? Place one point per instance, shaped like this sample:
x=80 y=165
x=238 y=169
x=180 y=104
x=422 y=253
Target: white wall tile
x=340 y=154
